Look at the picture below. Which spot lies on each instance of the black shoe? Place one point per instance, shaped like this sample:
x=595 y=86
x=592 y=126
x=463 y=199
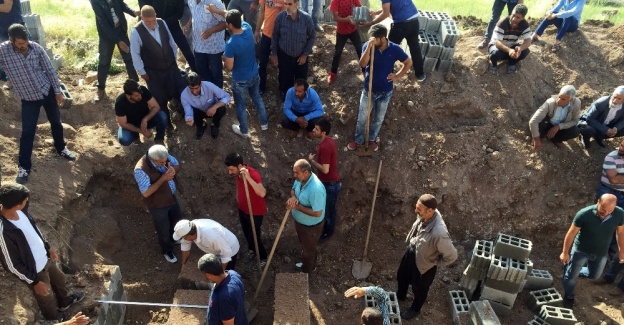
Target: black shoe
x=75 y=297
x=585 y=142
x=599 y=142
x=568 y=303
x=214 y=131
x=409 y=314
x=200 y=131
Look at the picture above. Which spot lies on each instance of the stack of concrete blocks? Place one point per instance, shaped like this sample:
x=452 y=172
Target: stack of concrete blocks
x=482 y=313
x=394 y=313
x=537 y=321
x=477 y=270
x=449 y=34
x=422 y=20
x=441 y=34
x=557 y=315
x=460 y=307
x=544 y=297
x=422 y=42
x=35 y=28
x=361 y=14
x=25 y=4
x=538 y=279
x=434 y=49
x=112 y=314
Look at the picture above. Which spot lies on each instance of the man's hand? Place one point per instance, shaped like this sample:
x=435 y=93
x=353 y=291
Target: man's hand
x=301 y=60
x=41 y=289
x=553 y=131
x=311 y=156
x=301 y=121
x=621 y=256
x=355 y=292
x=257 y=36
x=147 y=134
x=211 y=111
x=123 y=46
x=565 y=258
x=145 y=77
x=551 y=16
x=78 y=319
x=207 y=33
x=137 y=13
x=371 y=43
x=537 y=143
x=212 y=8
x=189 y=121
x=611 y=132
x=169 y=174
x=53 y=255
x=274 y=60
x=351 y=21
x=60 y=100
x=143 y=126
x=392 y=77
x=244 y=173
x=292 y=203
x=366 y=24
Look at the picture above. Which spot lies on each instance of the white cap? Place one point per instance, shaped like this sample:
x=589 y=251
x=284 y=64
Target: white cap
x=182 y=228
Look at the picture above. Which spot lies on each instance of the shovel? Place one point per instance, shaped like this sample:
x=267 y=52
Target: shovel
x=361 y=269
x=277 y=238
x=253 y=229
x=366 y=151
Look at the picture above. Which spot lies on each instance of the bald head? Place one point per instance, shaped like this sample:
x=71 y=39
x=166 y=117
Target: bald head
x=606 y=204
x=148 y=11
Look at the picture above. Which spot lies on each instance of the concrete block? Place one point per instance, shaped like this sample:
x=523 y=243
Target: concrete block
x=529 y=265
x=537 y=321
x=57 y=61
x=190 y=276
x=458 y=301
x=434 y=48
x=482 y=313
x=447 y=53
x=422 y=42
x=328 y=17
x=189 y=316
x=517 y=271
x=67 y=96
x=50 y=53
x=502 y=285
x=292 y=300
x=557 y=315
x=444 y=65
x=544 y=297
x=499 y=267
x=113 y=290
x=468 y=284
x=361 y=14
x=422 y=21
x=482 y=255
x=538 y=279
x=475 y=273
x=498 y=295
x=25 y=4
x=392 y=303
x=429 y=64
x=501 y=309
x=512 y=247
x=433 y=22
x=449 y=33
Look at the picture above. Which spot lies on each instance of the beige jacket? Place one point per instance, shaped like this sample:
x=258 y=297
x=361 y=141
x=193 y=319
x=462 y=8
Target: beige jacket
x=432 y=243
x=548 y=109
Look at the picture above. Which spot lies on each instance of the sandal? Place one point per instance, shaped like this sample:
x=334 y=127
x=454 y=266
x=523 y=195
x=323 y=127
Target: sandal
x=556 y=48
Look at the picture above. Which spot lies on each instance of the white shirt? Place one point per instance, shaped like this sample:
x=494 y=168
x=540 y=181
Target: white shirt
x=612 y=111
x=213 y=238
x=34 y=241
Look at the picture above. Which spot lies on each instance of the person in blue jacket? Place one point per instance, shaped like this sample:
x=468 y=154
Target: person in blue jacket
x=566 y=16
x=604 y=119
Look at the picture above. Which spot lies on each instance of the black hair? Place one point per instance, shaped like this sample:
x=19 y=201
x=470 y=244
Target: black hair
x=13 y=194
x=17 y=31
x=302 y=82
x=429 y=201
x=193 y=79
x=130 y=87
x=379 y=31
x=521 y=9
x=372 y=316
x=233 y=159
x=233 y=17
x=210 y=264
x=324 y=124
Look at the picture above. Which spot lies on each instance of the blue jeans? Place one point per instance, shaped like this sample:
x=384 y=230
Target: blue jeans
x=379 y=106
x=564 y=26
x=240 y=89
x=332 y=189
x=497 y=9
x=316 y=9
x=210 y=67
x=30 y=115
x=159 y=121
x=571 y=271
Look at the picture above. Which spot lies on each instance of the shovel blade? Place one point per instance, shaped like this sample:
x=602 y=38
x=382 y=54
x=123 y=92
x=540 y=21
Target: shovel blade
x=364 y=151
x=361 y=269
x=251 y=311
x=266 y=284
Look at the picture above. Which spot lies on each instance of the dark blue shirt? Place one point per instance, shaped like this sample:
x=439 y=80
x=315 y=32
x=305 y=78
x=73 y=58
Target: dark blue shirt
x=241 y=47
x=227 y=301
x=384 y=65
x=401 y=10
x=12 y=17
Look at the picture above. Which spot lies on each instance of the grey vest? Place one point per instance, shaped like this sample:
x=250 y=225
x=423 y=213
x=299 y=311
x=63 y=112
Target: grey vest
x=155 y=56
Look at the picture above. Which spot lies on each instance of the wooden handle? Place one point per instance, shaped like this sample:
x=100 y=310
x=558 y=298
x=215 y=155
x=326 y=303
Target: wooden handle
x=370 y=221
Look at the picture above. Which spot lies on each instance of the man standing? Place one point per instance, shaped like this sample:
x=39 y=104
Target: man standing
x=405 y=26
x=10 y=13
x=591 y=232
x=346 y=29
x=247 y=8
x=326 y=165
x=316 y=10
x=112 y=28
x=209 y=236
x=557 y=118
x=302 y=109
x=291 y=44
x=237 y=168
x=429 y=246
x=497 y=9
x=201 y=100
x=307 y=204
x=27 y=254
x=35 y=82
x=263 y=34
x=386 y=54
x=155 y=174
x=138 y=112
x=227 y=299
x=153 y=55
x=505 y=43
x=208 y=39
x=604 y=119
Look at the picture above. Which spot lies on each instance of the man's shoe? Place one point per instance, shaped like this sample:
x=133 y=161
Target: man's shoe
x=600 y=142
x=512 y=68
x=352 y=145
x=568 y=303
x=75 y=297
x=409 y=314
x=264 y=127
x=483 y=44
x=99 y=95
x=585 y=141
x=65 y=153
x=319 y=29
x=492 y=69
x=299 y=267
x=373 y=145
x=200 y=131
x=214 y=131
x=331 y=78
x=22 y=175
x=422 y=78
x=294 y=134
x=601 y=281
x=170 y=257
x=616 y=292
x=236 y=129
x=249 y=256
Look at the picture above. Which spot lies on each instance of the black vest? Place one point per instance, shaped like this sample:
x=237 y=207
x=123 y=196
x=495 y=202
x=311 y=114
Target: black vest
x=155 y=56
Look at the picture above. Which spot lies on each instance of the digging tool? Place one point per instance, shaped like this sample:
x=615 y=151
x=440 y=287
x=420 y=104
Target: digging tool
x=264 y=288
x=361 y=269
x=277 y=238
x=368 y=151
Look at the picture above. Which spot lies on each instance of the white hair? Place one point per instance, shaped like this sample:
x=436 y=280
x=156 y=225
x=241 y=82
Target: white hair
x=619 y=90
x=157 y=152
x=568 y=90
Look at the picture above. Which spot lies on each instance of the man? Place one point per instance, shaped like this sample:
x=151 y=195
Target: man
x=566 y=16
x=316 y=10
x=346 y=29
x=243 y=172
x=302 y=109
x=27 y=254
x=155 y=174
x=291 y=44
x=326 y=165
x=35 y=82
x=505 y=43
x=591 y=232
x=263 y=34
x=137 y=112
x=209 y=236
x=557 y=118
x=153 y=55
x=429 y=246
x=227 y=299
x=370 y=315
x=247 y=8
x=612 y=178
x=171 y=11
x=239 y=57
x=604 y=119
x=112 y=27
x=307 y=204
x=386 y=54
x=10 y=13
x=201 y=100
x=208 y=39
x=497 y=9
x=405 y=26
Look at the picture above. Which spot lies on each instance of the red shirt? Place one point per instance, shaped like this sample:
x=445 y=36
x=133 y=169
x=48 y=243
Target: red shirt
x=257 y=203
x=344 y=8
x=326 y=153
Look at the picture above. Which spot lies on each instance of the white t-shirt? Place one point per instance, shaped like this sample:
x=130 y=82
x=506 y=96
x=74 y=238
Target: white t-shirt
x=34 y=241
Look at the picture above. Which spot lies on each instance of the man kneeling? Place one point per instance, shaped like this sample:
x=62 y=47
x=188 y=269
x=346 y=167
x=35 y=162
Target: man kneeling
x=556 y=119
x=138 y=112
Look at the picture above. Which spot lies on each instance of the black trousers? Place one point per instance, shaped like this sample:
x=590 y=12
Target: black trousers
x=408 y=274
x=166 y=85
x=199 y=116
x=181 y=42
x=409 y=30
x=562 y=135
x=289 y=70
x=498 y=55
x=106 y=48
x=589 y=131
x=248 y=232
x=341 y=40
x=293 y=126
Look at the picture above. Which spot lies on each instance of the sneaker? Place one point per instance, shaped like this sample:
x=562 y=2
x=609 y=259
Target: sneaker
x=22 y=175
x=319 y=29
x=249 y=256
x=483 y=44
x=584 y=141
x=492 y=69
x=600 y=142
x=263 y=264
x=422 y=78
x=264 y=127
x=236 y=129
x=214 y=131
x=67 y=154
x=512 y=68
x=373 y=145
x=409 y=314
x=200 y=131
x=75 y=297
x=170 y=257
x=99 y=95
x=331 y=78
x=568 y=303
x=352 y=145
x=299 y=267
x=601 y=281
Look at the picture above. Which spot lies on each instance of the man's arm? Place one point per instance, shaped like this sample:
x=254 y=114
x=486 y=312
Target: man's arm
x=567 y=243
x=141 y=177
x=572 y=11
x=407 y=64
x=366 y=53
x=154 y=108
x=135 y=52
x=538 y=116
x=385 y=13
x=15 y=265
x=125 y=8
x=101 y=19
x=47 y=67
x=317 y=106
x=620 y=241
x=288 y=104
x=448 y=252
x=229 y=321
x=172 y=42
x=574 y=113
x=6 y=6
x=593 y=113
x=123 y=123
x=323 y=168
x=257 y=187
x=259 y=22
x=184 y=256
x=228 y=63
x=311 y=32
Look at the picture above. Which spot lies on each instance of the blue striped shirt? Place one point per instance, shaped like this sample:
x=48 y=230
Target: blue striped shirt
x=294 y=37
x=144 y=181
x=380 y=299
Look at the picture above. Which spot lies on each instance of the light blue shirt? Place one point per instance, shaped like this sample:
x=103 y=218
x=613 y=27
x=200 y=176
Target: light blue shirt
x=310 y=106
x=144 y=181
x=208 y=96
x=569 y=8
x=311 y=195
x=136 y=43
x=560 y=114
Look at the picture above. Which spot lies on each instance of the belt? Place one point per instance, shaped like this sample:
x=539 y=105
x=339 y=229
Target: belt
x=331 y=183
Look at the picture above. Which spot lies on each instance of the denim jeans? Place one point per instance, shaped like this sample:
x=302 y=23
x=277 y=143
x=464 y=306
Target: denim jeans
x=497 y=9
x=316 y=9
x=564 y=26
x=240 y=89
x=574 y=268
x=619 y=195
x=210 y=67
x=614 y=265
x=30 y=115
x=332 y=189
x=164 y=221
x=106 y=48
x=379 y=106
x=159 y=121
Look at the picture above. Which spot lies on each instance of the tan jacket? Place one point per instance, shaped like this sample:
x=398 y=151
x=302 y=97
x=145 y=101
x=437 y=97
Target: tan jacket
x=432 y=243
x=548 y=109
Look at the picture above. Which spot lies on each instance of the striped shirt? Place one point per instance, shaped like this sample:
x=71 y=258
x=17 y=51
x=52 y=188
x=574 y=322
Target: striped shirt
x=144 y=181
x=508 y=35
x=203 y=20
x=294 y=37
x=380 y=299
x=32 y=75
x=613 y=161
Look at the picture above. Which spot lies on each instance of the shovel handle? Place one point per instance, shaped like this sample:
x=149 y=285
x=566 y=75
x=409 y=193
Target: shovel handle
x=370 y=94
x=253 y=224
x=370 y=220
x=277 y=238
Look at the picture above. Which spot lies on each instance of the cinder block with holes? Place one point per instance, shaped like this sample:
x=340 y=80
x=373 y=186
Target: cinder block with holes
x=517 y=271
x=67 y=96
x=544 y=297
x=512 y=247
x=502 y=285
x=498 y=295
x=499 y=266
x=529 y=265
x=57 y=61
x=433 y=23
x=449 y=33
x=447 y=53
x=393 y=306
x=482 y=313
x=25 y=4
x=468 y=283
x=422 y=42
x=422 y=20
x=482 y=254
x=537 y=321
x=429 y=64
x=459 y=304
x=434 y=49
x=501 y=309
x=538 y=279
x=557 y=315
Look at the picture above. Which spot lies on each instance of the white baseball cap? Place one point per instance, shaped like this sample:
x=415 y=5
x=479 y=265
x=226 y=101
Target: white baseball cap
x=182 y=228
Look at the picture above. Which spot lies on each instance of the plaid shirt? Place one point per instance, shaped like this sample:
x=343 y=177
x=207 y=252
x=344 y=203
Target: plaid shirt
x=32 y=75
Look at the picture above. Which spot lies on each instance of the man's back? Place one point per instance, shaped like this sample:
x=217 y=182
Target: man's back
x=227 y=301
x=241 y=47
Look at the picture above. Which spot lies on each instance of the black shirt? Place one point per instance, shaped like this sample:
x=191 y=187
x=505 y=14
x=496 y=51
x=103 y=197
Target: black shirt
x=134 y=112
